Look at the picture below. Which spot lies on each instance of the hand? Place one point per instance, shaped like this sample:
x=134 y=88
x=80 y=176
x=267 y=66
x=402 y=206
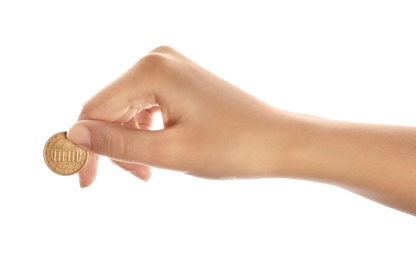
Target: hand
x=211 y=128
x=215 y=130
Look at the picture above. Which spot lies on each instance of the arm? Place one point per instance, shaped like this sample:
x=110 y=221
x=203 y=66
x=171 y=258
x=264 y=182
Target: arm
x=214 y=130
x=375 y=161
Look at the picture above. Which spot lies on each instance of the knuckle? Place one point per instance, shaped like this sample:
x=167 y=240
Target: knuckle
x=152 y=62
x=163 y=49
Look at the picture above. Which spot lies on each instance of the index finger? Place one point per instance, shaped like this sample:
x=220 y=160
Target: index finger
x=120 y=100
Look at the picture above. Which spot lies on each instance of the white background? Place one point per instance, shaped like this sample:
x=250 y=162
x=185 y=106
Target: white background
x=346 y=60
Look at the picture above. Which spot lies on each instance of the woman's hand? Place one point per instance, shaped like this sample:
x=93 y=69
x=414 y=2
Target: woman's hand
x=215 y=130
x=211 y=128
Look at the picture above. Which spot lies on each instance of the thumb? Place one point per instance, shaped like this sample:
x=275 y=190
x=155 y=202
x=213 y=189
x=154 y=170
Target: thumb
x=116 y=141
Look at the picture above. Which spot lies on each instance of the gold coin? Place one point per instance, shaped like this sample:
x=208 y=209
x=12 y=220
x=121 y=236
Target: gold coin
x=63 y=156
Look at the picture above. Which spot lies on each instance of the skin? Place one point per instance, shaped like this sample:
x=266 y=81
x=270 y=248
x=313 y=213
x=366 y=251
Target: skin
x=214 y=130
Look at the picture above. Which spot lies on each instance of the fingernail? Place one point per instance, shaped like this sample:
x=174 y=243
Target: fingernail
x=80 y=135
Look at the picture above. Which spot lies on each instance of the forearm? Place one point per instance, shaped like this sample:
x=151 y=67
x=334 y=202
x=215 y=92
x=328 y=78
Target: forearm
x=375 y=161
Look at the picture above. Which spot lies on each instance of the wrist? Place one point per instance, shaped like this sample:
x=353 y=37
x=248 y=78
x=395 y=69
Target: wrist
x=302 y=143
x=284 y=142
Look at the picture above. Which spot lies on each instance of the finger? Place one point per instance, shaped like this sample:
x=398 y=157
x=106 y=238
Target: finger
x=121 y=99
x=132 y=123
x=88 y=173
x=145 y=118
x=142 y=172
x=119 y=142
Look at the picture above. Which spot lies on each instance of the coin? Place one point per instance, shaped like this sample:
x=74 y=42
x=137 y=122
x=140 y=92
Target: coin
x=62 y=156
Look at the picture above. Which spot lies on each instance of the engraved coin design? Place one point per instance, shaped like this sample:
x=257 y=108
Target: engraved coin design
x=62 y=156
